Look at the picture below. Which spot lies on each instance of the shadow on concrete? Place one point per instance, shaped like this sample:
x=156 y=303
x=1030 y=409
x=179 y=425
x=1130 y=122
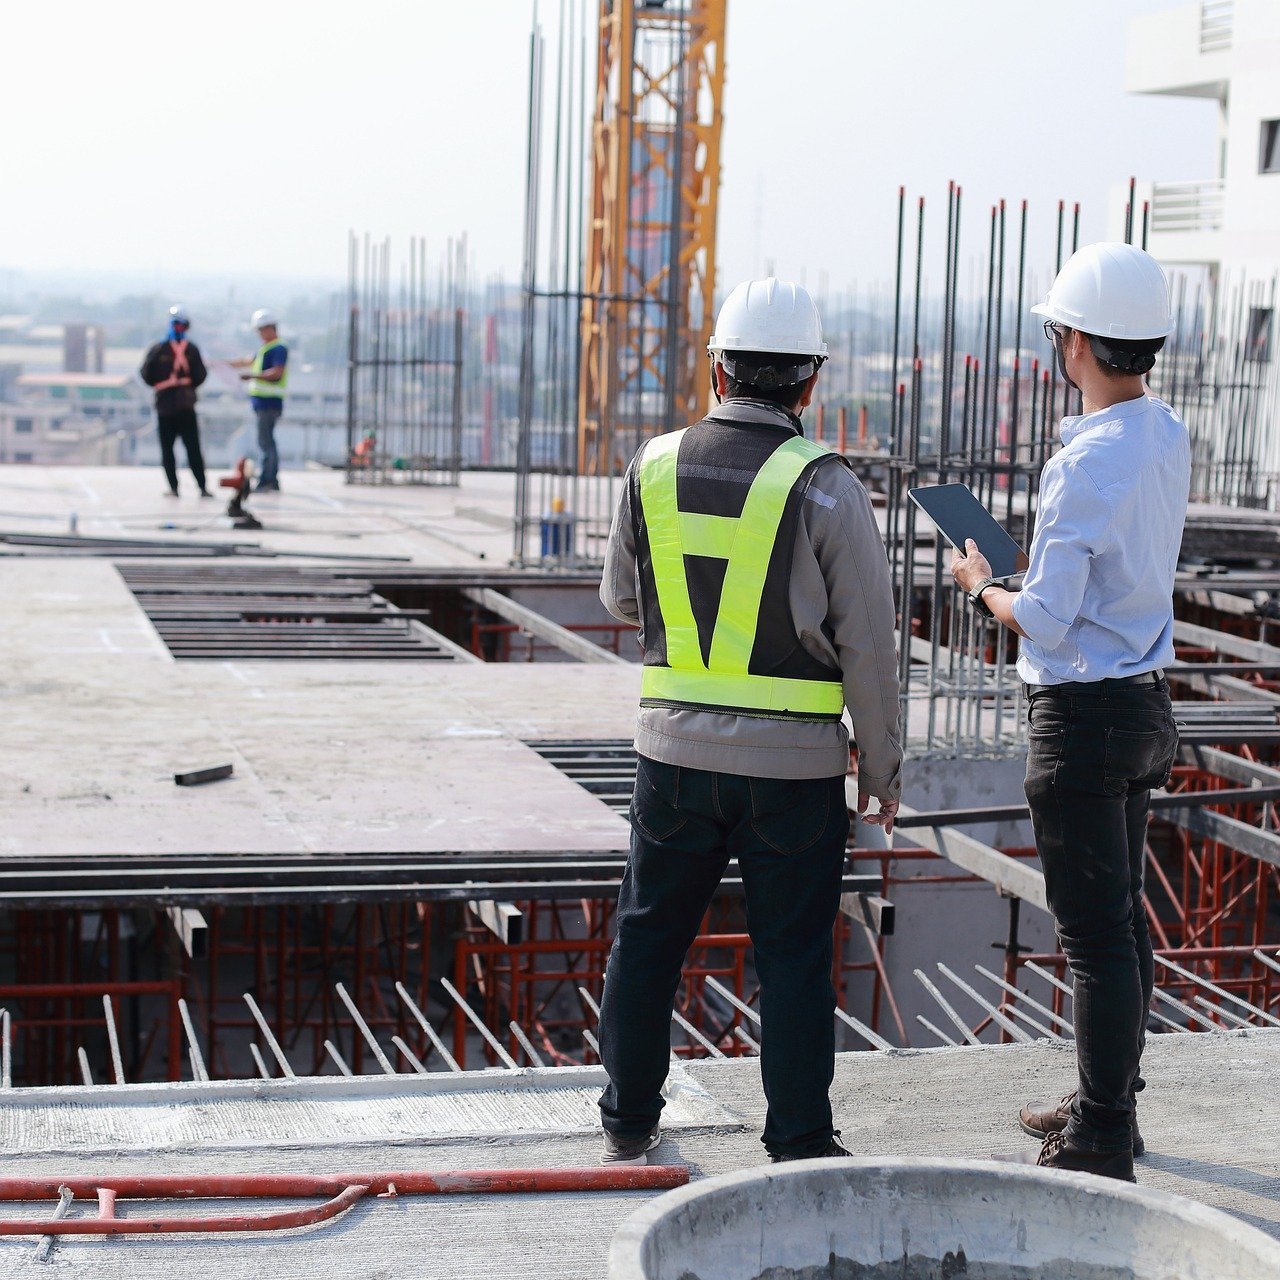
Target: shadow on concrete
x=1241 y=1180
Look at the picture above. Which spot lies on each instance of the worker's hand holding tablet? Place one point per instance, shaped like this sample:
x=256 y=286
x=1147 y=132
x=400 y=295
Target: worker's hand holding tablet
x=960 y=516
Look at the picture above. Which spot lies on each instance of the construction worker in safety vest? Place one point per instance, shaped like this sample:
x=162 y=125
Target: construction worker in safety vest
x=173 y=369
x=268 y=376
x=1095 y=614
x=751 y=561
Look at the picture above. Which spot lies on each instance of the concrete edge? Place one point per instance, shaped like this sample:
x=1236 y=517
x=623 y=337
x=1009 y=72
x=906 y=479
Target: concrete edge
x=306 y=1087
x=328 y=1088
x=507 y=1138
x=625 y=1261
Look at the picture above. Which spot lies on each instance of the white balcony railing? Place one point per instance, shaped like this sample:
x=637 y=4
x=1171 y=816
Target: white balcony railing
x=1217 y=18
x=1182 y=207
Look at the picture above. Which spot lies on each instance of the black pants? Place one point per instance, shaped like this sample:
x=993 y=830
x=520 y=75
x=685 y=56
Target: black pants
x=180 y=424
x=789 y=839
x=1095 y=752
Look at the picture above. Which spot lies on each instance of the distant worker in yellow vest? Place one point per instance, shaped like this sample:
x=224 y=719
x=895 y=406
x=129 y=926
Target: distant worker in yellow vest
x=751 y=561
x=267 y=376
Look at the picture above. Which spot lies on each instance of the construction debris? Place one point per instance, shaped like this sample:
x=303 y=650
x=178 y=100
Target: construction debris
x=198 y=777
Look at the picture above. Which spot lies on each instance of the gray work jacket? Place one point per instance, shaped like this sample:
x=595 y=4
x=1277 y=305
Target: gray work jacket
x=842 y=605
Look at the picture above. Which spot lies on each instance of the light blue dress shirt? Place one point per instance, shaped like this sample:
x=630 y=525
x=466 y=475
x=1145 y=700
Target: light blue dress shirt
x=1097 y=599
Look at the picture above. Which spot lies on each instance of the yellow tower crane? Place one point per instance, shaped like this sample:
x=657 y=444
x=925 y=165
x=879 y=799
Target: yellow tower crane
x=650 y=254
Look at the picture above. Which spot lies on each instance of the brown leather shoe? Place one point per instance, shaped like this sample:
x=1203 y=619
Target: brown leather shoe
x=1040 y=1119
x=1057 y=1153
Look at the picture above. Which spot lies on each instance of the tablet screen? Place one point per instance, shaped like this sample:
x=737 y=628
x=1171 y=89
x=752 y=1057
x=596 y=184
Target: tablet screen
x=954 y=509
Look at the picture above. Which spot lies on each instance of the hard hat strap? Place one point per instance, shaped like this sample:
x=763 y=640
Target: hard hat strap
x=1128 y=358
x=769 y=377
x=1056 y=338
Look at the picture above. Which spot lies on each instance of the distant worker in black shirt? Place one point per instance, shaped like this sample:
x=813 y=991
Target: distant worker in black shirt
x=173 y=369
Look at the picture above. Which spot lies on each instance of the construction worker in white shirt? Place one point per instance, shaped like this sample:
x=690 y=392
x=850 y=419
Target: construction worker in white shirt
x=1095 y=614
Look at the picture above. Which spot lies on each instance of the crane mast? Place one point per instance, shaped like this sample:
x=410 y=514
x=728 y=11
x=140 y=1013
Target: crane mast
x=650 y=252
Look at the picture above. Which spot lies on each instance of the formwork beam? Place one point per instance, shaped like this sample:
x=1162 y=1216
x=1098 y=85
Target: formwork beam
x=1006 y=874
x=537 y=624
x=1243 y=837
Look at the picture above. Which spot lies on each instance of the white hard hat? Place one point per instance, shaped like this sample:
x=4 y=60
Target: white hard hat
x=1111 y=291
x=769 y=315
x=179 y=315
x=262 y=318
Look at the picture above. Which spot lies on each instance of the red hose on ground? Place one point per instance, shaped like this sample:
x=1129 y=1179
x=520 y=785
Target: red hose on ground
x=343 y=1190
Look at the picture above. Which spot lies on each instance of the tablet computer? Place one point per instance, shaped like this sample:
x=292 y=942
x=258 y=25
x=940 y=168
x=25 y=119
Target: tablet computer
x=954 y=509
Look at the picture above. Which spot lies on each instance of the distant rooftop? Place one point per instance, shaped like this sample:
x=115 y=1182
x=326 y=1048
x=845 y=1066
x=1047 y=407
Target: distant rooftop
x=104 y=381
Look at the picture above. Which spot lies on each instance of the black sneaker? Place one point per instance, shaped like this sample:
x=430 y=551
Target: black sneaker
x=629 y=1150
x=204 y=493
x=1040 y=1119
x=832 y=1151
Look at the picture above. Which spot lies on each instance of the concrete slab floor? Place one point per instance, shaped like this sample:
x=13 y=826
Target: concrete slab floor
x=1208 y=1116
x=328 y=756
x=317 y=513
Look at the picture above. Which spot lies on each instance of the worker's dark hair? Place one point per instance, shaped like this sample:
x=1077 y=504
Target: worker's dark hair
x=1119 y=358
x=767 y=375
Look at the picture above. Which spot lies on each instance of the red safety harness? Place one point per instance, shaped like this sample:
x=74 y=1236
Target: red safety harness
x=180 y=374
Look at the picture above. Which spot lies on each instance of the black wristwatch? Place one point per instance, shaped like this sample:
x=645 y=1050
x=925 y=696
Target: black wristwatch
x=975 y=597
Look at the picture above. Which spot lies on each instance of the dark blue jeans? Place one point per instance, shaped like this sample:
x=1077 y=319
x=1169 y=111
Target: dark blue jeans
x=789 y=839
x=1095 y=751
x=267 y=419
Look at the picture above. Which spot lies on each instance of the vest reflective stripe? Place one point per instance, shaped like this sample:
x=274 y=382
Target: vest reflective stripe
x=179 y=375
x=747 y=544
x=746 y=693
x=260 y=387
x=707 y=535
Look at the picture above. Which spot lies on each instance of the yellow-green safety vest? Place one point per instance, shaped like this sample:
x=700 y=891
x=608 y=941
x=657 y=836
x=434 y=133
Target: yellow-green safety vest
x=747 y=543
x=259 y=386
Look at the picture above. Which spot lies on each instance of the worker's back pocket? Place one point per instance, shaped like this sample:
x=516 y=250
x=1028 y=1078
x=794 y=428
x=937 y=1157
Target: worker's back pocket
x=789 y=815
x=656 y=799
x=1141 y=756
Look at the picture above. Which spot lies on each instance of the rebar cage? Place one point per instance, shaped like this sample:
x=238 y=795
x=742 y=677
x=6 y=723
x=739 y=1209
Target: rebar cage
x=405 y=343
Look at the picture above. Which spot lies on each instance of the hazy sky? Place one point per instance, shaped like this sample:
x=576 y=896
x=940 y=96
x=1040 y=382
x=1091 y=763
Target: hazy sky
x=243 y=139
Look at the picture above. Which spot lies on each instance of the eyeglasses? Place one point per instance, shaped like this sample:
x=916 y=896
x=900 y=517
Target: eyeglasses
x=1053 y=332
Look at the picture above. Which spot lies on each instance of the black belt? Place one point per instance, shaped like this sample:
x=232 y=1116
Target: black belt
x=1146 y=677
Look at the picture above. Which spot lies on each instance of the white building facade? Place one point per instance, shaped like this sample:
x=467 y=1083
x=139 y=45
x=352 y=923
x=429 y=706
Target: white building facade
x=1220 y=238
x=81 y=418
x=1227 y=51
